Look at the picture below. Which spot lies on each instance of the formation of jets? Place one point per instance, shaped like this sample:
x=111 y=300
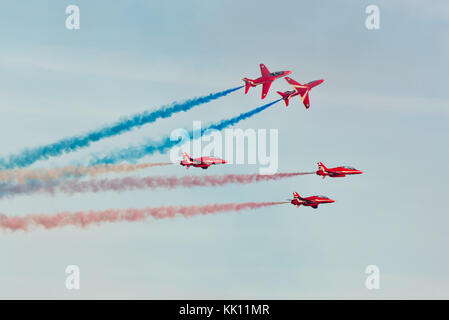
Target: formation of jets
x=312 y=201
x=267 y=78
x=323 y=171
x=301 y=90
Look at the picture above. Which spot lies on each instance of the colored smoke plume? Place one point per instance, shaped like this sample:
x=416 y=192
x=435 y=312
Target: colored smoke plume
x=23 y=175
x=86 y=218
x=137 y=183
x=163 y=145
x=70 y=144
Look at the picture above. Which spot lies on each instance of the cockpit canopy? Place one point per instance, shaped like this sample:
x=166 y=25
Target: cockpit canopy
x=346 y=167
x=278 y=73
x=324 y=197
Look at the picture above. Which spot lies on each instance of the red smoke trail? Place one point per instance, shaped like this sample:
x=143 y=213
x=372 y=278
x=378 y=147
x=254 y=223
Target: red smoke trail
x=86 y=218
x=135 y=183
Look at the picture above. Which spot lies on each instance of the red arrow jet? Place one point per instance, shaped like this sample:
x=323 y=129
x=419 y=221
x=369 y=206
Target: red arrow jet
x=203 y=162
x=299 y=89
x=335 y=172
x=312 y=201
x=266 y=79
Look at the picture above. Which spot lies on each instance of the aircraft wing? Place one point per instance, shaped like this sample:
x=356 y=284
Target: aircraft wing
x=264 y=70
x=300 y=88
x=265 y=88
x=305 y=99
x=292 y=82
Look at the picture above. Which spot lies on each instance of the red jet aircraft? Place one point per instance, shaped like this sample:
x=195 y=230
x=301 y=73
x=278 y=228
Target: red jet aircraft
x=203 y=162
x=335 y=172
x=266 y=79
x=299 y=89
x=312 y=201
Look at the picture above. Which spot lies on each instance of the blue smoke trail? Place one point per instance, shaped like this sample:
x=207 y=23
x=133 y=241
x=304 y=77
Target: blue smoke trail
x=162 y=146
x=29 y=156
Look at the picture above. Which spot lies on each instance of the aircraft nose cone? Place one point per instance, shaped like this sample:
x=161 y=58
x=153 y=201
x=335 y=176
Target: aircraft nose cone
x=331 y=200
x=289 y=72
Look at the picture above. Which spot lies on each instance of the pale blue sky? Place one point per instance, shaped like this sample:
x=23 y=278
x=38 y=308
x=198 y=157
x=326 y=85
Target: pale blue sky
x=382 y=109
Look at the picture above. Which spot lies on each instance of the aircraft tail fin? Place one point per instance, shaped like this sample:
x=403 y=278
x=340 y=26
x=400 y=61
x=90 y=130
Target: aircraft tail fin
x=321 y=166
x=285 y=97
x=186 y=156
x=296 y=195
x=293 y=83
x=248 y=84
